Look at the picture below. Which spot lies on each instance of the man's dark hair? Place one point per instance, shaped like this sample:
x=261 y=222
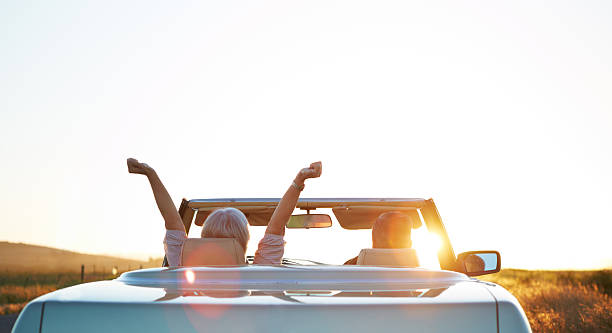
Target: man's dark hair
x=391 y=230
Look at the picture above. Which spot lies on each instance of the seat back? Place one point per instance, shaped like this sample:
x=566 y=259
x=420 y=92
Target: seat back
x=388 y=257
x=212 y=251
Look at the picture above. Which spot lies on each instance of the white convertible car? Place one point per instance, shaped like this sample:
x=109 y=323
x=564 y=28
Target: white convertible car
x=217 y=291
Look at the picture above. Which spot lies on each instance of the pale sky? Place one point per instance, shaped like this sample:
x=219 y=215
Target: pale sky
x=502 y=113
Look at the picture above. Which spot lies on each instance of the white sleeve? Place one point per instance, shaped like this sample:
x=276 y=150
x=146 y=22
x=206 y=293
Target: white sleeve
x=173 y=244
x=270 y=250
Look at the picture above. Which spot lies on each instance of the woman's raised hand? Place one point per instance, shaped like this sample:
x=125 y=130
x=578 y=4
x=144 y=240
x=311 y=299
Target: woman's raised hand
x=285 y=207
x=136 y=167
x=313 y=171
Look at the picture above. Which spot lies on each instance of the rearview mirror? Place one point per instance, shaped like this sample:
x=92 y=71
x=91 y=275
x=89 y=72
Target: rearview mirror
x=474 y=263
x=306 y=221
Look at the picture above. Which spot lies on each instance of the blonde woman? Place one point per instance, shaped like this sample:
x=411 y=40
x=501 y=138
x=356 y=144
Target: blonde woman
x=226 y=222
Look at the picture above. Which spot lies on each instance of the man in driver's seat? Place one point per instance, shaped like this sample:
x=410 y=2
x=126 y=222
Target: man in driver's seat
x=391 y=230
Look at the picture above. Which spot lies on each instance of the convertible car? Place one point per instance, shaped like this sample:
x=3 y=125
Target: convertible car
x=216 y=289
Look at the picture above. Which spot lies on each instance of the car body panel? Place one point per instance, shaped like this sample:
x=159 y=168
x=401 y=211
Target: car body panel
x=30 y=317
x=325 y=298
x=512 y=317
x=128 y=317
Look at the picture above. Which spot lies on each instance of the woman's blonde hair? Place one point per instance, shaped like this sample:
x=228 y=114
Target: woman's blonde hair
x=227 y=223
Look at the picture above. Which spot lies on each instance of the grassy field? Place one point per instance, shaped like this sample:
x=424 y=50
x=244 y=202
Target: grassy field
x=561 y=301
x=28 y=271
x=17 y=289
x=554 y=301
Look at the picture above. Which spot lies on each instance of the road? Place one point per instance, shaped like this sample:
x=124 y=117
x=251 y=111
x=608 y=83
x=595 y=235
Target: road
x=7 y=322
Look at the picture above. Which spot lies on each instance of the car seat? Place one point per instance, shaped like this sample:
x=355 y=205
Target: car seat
x=212 y=251
x=406 y=257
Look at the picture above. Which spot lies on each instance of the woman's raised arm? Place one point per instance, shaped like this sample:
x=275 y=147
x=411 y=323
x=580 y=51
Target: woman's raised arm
x=287 y=203
x=162 y=198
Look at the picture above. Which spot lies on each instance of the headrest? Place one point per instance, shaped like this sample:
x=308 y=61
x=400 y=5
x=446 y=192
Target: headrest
x=388 y=257
x=212 y=251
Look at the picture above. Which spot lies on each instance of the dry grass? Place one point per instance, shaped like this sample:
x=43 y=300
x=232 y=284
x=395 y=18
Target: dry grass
x=31 y=271
x=17 y=289
x=16 y=294
x=14 y=298
x=6 y=309
x=561 y=301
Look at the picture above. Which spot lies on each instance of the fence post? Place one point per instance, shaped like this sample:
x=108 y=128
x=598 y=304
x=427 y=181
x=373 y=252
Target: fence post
x=82 y=273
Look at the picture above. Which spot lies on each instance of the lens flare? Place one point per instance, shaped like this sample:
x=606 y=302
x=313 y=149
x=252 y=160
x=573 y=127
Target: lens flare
x=190 y=276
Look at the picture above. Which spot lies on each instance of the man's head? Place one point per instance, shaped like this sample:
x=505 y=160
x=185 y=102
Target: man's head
x=392 y=231
x=474 y=263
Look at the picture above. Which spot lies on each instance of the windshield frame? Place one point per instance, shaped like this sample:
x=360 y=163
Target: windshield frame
x=427 y=207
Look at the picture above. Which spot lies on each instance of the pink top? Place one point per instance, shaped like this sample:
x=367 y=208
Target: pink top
x=269 y=252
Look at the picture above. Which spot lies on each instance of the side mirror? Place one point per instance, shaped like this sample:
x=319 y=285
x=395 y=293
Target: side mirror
x=474 y=263
x=306 y=221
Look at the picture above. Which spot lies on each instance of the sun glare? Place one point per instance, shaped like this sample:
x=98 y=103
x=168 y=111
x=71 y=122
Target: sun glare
x=427 y=245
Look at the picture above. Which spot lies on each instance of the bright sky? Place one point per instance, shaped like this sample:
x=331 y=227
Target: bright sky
x=500 y=112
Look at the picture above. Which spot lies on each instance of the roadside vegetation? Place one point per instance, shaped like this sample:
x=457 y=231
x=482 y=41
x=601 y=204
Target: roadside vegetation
x=561 y=301
x=28 y=271
x=17 y=289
